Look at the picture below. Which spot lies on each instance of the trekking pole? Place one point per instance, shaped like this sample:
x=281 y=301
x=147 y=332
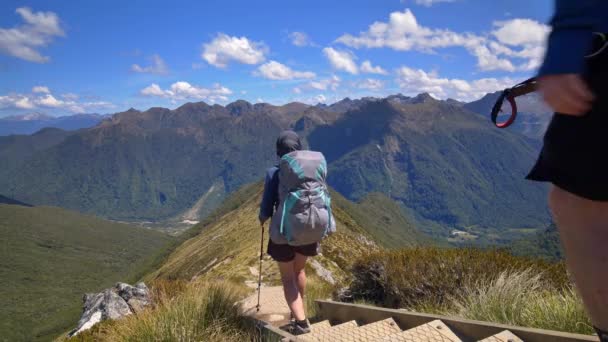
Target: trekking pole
x=260 y=272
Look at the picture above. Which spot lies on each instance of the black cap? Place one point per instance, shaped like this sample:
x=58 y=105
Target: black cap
x=288 y=141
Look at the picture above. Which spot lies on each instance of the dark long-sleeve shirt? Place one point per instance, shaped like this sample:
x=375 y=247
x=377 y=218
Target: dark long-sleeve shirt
x=572 y=34
x=270 y=199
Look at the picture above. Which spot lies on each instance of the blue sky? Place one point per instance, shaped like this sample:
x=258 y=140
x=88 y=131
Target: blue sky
x=66 y=57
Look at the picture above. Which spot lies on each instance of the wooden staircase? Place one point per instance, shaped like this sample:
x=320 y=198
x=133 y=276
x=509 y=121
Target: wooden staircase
x=343 y=322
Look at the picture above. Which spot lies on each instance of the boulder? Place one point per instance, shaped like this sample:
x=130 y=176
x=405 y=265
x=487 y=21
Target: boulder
x=113 y=303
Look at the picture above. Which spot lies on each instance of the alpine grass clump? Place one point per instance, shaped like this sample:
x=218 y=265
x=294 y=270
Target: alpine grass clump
x=485 y=285
x=523 y=298
x=200 y=311
x=429 y=276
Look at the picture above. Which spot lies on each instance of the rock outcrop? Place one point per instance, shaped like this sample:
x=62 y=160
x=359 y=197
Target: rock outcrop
x=113 y=303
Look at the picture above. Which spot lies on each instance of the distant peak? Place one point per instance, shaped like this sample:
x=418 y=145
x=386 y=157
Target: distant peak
x=423 y=97
x=239 y=107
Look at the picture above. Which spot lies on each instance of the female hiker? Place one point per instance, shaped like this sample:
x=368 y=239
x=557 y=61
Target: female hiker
x=296 y=197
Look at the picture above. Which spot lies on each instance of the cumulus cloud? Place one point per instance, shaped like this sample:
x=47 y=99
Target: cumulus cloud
x=331 y=83
x=367 y=67
x=274 y=70
x=157 y=66
x=186 y=91
x=509 y=40
x=41 y=89
x=223 y=49
x=41 y=98
x=341 y=60
x=413 y=81
x=300 y=39
x=38 y=30
x=370 y=84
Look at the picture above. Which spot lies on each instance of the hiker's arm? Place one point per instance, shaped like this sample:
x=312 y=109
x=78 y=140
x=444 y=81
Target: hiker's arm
x=269 y=198
x=571 y=36
x=560 y=79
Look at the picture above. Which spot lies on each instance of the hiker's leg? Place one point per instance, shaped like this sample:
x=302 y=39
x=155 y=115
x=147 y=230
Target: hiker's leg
x=583 y=227
x=299 y=263
x=290 y=288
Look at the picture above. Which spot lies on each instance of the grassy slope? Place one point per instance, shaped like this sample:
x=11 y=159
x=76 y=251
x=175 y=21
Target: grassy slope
x=226 y=246
x=385 y=221
x=51 y=256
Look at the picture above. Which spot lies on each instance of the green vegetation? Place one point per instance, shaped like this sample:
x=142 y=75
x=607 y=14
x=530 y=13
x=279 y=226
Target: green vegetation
x=198 y=311
x=386 y=221
x=408 y=277
x=545 y=244
x=51 y=257
x=522 y=298
x=488 y=285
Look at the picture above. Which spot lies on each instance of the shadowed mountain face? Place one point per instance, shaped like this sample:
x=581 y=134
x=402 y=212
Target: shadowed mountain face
x=441 y=161
x=438 y=159
x=30 y=123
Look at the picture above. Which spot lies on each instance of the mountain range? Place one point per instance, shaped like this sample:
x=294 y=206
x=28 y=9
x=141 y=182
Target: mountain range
x=444 y=164
x=33 y=122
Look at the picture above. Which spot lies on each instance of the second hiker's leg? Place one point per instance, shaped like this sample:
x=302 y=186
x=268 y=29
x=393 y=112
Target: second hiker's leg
x=298 y=270
x=290 y=288
x=583 y=228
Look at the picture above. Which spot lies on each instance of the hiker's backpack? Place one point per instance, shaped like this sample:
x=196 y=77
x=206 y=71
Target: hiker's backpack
x=304 y=213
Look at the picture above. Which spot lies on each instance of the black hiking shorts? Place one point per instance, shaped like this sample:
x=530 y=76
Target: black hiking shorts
x=286 y=253
x=573 y=156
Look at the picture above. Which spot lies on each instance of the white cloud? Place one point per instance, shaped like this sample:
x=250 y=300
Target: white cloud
x=300 y=39
x=341 y=60
x=324 y=84
x=158 y=66
x=429 y=3
x=370 y=84
x=38 y=31
x=49 y=100
x=367 y=67
x=297 y=90
x=70 y=96
x=520 y=32
x=274 y=70
x=224 y=49
x=527 y=36
x=524 y=37
x=185 y=91
x=41 y=89
x=42 y=98
x=414 y=81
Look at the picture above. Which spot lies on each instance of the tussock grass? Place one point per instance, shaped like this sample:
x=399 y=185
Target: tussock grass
x=523 y=298
x=316 y=289
x=200 y=311
x=410 y=277
x=492 y=286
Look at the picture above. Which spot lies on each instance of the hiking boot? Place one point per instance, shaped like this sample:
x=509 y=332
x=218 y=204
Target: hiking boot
x=300 y=327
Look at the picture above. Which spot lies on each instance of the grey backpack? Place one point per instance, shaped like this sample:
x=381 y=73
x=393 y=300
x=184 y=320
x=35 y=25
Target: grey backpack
x=304 y=213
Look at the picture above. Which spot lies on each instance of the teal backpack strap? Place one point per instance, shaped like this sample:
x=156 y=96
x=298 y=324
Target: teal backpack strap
x=327 y=201
x=291 y=199
x=294 y=165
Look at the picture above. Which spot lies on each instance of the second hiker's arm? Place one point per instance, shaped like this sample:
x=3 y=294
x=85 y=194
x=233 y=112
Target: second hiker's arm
x=269 y=198
x=571 y=37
